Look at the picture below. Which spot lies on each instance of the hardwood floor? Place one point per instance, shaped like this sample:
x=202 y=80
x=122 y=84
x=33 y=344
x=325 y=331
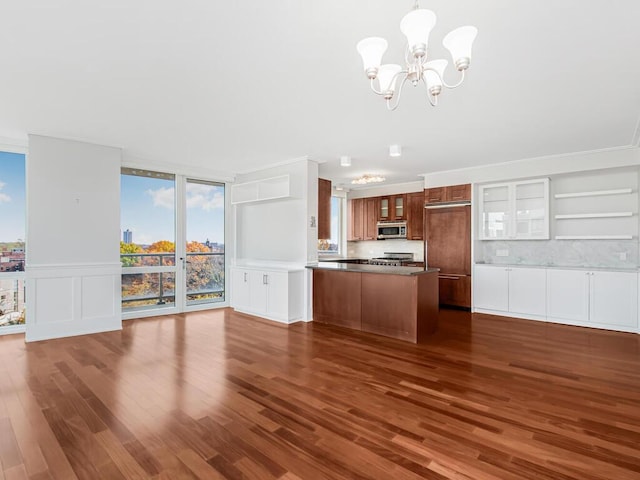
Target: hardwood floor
x=222 y=395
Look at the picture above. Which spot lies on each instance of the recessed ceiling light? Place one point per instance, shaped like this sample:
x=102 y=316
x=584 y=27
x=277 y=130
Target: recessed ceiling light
x=345 y=161
x=395 y=150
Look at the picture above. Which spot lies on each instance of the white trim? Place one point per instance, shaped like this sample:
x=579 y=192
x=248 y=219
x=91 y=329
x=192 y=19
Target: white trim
x=11 y=145
x=596 y=193
x=594 y=237
x=275 y=164
x=200 y=173
x=594 y=215
x=12 y=329
x=635 y=139
x=71 y=266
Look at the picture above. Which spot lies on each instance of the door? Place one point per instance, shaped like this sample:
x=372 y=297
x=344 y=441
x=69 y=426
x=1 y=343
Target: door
x=491 y=288
x=614 y=298
x=203 y=251
x=172 y=248
x=528 y=291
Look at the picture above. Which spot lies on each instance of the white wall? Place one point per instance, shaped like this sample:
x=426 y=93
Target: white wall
x=73 y=229
x=280 y=230
x=535 y=167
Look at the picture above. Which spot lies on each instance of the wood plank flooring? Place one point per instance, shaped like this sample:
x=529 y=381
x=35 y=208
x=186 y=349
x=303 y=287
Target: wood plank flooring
x=220 y=395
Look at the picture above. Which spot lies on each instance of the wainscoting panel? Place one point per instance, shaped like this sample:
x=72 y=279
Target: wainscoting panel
x=67 y=300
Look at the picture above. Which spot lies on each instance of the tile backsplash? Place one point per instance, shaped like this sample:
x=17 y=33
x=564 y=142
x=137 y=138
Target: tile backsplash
x=376 y=248
x=563 y=253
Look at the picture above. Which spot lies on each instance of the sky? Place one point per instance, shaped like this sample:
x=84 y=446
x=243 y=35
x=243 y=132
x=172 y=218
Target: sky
x=12 y=197
x=147 y=208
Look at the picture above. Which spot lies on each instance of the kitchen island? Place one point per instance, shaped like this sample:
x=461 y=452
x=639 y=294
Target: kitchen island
x=398 y=302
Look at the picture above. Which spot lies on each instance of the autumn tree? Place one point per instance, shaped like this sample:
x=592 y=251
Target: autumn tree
x=129 y=248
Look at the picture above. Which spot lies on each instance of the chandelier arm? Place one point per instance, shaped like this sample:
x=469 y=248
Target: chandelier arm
x=377 y=92
x=389 y=107
x=457 y=84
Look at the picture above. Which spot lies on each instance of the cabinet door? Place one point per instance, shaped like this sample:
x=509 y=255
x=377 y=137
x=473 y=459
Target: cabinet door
x=528 y=291
x=448 y=238
x=355 y=220
x=415 y=216
x=490 y=288
x=277 y=295
x=370 y=218
x=399 y=203
x=458 y=193
x=614 y=298
x=257 y=291
x=568 y=295
x=455 y=290
x=385 y=208
x=531 y=209
x=434 y=195
x=494 y=212
x=240 y=288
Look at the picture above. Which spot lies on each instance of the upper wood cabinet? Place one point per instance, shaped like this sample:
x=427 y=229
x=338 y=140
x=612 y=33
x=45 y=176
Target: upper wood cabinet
x=452 y=193
x=362 y=219
x=393 y=207
x=324 y=209
x=415 y=216
x=355 y=219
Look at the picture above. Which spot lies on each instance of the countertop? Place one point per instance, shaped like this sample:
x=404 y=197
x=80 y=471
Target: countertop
x=355 y=267
x=561 y=267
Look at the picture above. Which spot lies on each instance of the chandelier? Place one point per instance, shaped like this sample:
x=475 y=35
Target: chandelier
x=416 y=26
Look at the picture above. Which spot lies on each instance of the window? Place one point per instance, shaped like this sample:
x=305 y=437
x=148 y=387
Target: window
x=172 y=247
x=12 y=244
x=333 y=244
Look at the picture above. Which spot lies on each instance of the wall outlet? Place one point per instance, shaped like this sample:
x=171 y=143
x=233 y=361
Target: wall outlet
x=502 y=253
x=623 y=255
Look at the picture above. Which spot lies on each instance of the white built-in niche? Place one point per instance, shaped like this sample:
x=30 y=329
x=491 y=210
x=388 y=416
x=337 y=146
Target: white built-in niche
x=599 y=205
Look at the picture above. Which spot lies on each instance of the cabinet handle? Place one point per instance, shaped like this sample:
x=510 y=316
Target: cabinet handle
x=447 y=277
x=265 y=279
x=245 y=277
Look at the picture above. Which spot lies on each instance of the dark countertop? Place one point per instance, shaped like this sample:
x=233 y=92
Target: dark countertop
x=337 y=258
x=354 y=267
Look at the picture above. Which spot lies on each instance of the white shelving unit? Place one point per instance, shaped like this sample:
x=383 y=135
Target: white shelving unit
x=261 y=190
x=609 y=213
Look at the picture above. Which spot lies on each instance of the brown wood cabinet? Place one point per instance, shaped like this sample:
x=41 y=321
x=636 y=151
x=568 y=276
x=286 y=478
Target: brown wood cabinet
x=398 y=306
x=324 y=209
x=393 y=207
x=452 y=193
x=448 y=236
x=415 y=216
x=362 y=219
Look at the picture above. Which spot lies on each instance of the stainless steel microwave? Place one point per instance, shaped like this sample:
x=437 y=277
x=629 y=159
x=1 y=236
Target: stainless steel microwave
x=388 y=230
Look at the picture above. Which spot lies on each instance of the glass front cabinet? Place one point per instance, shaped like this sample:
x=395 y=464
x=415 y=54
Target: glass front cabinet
x=514 y=210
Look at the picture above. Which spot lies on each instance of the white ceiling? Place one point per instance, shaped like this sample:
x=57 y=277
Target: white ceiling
x=234 y=86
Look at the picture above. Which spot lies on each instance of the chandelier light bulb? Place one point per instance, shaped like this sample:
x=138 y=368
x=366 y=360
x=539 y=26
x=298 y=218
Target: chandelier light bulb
x=459 y=42
x=387 y=76
x=371 y=50
x=434 y=75
x=416 y=26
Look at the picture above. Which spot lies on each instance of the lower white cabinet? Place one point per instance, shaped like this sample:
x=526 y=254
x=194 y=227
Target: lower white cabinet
x=273 y=294
x=594 y=298
x=517 y=290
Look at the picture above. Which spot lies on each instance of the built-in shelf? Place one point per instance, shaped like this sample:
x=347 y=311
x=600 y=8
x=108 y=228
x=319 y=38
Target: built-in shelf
x=594 y=215
x=596 y=193
x=594 y=237
x=260 y=190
